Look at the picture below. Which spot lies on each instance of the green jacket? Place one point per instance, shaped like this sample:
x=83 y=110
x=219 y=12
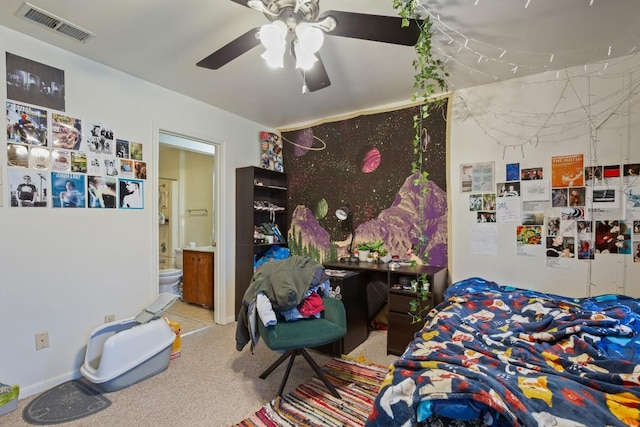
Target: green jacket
x=284 y=282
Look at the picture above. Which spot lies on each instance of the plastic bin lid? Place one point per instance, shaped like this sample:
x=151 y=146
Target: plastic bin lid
x=157 y=307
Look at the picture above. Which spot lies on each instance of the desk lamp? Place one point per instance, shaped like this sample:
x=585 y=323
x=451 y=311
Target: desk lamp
x=344 y=214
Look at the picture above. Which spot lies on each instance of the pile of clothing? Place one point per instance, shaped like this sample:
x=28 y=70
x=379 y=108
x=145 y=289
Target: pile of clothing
x=283 y=290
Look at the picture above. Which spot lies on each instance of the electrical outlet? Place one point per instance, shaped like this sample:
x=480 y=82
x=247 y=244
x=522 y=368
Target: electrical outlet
x=42 y=340
x=109 y=318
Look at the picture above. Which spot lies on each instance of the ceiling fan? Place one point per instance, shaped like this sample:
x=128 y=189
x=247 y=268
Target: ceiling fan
x=298 y=26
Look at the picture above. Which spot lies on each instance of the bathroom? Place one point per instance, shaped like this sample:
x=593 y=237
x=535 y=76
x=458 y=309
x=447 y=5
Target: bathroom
x=186 y=203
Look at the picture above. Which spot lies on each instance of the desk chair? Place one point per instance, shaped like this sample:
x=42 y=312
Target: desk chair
x=294 y=337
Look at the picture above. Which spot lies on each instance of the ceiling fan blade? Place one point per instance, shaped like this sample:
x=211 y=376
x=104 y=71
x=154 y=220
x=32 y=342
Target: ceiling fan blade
x=378 y=28
x=242 y=2
x=316 y=78
x=231 y=50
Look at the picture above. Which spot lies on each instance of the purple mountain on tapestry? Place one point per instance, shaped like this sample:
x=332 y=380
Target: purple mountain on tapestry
x=397 y=225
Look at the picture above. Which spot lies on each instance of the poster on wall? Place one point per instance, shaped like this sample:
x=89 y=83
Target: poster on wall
x=68 y=190
x=27 y=188
x=26 y=125
x=512 y=171
x=34 y=83
x=567 y=171
x=529 y=240
x=39 y=158
x=66 y=132
x=60 y=160
x=102 y=191
x=477 y=177
x=100 y=139
x=130 y=193
x=271 y=151
x=122 y=148
x=135 y=150
x=17 y=155
x=636 y=241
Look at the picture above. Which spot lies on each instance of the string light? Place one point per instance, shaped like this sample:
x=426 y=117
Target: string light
x=542 y=124
x=454 y=37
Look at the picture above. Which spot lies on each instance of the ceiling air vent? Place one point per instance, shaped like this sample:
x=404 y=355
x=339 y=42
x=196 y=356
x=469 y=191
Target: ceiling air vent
x=54 y=23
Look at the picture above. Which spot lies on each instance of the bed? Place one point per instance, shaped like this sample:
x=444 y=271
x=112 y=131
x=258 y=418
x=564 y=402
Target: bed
x=500 y=356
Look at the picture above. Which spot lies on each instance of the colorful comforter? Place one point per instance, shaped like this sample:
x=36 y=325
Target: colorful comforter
x=510 y=356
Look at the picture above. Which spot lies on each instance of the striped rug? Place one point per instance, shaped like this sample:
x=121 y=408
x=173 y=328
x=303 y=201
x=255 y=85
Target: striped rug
x=312 y=405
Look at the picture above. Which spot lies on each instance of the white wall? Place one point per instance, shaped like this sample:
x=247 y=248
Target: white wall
x=62 y=271
x=511 y=122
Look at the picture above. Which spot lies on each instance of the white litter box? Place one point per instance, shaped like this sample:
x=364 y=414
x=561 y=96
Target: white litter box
x=127 y=351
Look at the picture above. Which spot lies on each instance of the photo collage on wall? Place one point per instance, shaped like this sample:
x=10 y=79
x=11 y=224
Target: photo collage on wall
x=574 y=213
x=59 y=160
x=271 y=151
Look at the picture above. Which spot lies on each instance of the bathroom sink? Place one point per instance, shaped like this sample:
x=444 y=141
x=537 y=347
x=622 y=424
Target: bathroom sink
x=203 y=248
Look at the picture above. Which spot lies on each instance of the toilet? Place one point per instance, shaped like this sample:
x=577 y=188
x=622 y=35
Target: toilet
x=169 y=278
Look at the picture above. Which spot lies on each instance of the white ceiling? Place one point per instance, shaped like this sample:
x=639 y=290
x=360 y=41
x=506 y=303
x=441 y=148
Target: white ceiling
x=482 y=41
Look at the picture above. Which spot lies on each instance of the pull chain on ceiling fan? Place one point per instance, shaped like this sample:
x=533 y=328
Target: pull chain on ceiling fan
x=298 y=24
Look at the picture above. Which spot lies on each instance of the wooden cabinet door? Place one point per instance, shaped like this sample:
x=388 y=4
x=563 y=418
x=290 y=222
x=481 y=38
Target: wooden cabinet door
x=190 y=276
x=205 y=282
x=197 y=277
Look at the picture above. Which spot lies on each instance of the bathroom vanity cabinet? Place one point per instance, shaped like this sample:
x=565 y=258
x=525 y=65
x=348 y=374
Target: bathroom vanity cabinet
x=197 y=277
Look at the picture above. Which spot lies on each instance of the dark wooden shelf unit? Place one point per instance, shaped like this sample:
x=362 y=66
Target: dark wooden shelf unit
x=254 y=184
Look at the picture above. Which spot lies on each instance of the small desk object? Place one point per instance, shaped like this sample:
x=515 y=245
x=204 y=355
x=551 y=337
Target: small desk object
x=401 y=328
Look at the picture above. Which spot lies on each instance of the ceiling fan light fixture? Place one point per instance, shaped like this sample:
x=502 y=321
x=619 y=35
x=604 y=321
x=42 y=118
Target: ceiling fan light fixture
x=310 y=38
x=305 y=62
x=274 y=57
x=273 y=35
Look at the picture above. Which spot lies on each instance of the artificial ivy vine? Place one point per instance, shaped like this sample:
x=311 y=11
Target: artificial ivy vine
x=429 y=80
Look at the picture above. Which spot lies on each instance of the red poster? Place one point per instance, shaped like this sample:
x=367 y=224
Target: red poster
x=567 y=171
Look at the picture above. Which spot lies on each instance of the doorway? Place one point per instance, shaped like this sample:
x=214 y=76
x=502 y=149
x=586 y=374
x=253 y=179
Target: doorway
x=187 y=197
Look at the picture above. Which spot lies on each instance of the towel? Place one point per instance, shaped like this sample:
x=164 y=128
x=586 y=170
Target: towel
x=265 y=310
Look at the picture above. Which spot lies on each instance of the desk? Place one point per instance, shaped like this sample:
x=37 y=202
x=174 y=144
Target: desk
x=400 y=327
x=352 y=292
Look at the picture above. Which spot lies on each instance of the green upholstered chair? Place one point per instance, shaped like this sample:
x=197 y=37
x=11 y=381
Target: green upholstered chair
x=293 y=337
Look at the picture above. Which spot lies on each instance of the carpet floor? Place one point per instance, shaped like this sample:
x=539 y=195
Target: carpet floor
x=311 y=404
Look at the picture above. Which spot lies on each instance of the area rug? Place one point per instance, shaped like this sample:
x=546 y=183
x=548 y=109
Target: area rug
x=66 y=402
x=311 y=404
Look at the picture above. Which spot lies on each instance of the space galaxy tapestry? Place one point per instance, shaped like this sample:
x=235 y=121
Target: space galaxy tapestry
x=366 y=162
